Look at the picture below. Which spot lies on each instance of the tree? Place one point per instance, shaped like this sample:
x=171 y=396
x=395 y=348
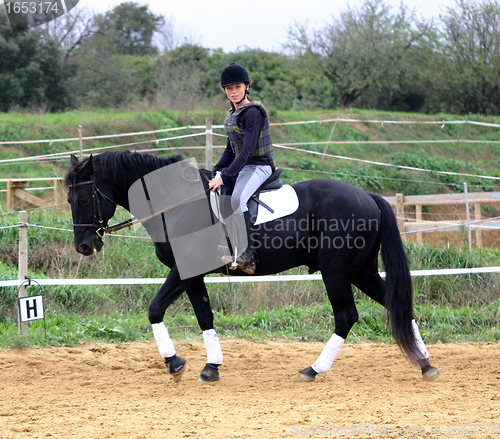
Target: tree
x=70 y=31
x=364 y=50
x=130 y=28
x=32 y=73
x=186 y=78
x=114 y=64
x=471 y=40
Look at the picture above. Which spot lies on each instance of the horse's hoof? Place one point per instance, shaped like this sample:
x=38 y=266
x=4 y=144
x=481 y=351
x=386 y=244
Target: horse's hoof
x=210 y=373
x=176 y=366
x=308 y=374
x=431 y=374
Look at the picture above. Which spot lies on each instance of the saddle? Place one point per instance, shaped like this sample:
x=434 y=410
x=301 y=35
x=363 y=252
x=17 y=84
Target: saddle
x=271 y=184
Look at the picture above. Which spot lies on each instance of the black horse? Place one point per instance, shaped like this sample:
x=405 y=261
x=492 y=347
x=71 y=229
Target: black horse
x=337 y=229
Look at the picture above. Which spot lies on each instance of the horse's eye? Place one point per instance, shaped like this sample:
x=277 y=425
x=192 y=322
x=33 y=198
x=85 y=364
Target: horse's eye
x=84 y=202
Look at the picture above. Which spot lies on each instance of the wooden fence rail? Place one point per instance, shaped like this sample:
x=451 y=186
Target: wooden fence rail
x=18 y=197
x=400 y=201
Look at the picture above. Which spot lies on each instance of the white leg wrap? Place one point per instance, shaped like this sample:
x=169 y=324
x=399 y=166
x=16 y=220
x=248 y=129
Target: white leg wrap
x=420 y=343
x=165 y=345
x=214 y=351
x=328 y=355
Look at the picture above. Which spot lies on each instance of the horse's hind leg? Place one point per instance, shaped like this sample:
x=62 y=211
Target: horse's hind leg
x=370 y=282
x=345 y=314
x=198 y=296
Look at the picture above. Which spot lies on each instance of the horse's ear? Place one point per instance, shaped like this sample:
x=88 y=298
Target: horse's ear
x=91 y=163
x=88 y=167
x=74 y=160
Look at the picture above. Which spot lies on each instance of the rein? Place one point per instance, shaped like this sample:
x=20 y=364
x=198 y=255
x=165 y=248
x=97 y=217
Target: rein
x=130 y=222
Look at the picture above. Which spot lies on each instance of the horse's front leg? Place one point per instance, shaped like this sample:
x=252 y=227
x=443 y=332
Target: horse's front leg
x=198 y=296
x=169 y=292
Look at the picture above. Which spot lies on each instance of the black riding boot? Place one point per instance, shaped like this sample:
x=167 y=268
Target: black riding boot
x=247 y=261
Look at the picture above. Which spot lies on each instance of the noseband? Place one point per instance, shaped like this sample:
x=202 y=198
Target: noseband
x=101 y=229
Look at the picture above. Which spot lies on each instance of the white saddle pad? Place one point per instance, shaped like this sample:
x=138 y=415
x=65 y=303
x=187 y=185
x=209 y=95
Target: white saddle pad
x=283 y=201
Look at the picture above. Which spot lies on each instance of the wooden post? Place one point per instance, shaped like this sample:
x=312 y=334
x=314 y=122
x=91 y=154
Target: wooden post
x=60 y=198
x=23 y=264
x=10 y=196
x=80 y=143
x=418 y=211
x=19 y=198
x=467 y=212
x=477 y=217
x=400 y=212
x=329 y=138
x=209 y=145
x=12 y=187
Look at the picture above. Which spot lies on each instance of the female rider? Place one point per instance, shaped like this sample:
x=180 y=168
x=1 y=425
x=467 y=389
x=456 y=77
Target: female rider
x=248 y=159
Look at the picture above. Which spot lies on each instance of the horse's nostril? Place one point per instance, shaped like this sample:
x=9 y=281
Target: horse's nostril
x=84 y=249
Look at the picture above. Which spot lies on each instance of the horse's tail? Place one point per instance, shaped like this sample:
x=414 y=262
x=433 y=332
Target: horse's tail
x=398 y=291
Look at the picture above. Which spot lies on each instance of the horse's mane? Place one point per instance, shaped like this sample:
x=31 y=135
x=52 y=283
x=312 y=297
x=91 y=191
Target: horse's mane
x=117 y=166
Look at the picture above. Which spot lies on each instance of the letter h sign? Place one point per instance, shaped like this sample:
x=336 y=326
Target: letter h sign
x=31 y=308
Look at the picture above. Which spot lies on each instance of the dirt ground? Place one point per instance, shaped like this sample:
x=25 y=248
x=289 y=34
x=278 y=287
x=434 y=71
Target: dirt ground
x=124 y=391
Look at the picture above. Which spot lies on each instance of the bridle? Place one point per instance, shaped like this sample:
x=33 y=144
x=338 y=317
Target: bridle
x=98 y=221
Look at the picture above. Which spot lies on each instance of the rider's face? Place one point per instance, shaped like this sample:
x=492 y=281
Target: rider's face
x=236 y=92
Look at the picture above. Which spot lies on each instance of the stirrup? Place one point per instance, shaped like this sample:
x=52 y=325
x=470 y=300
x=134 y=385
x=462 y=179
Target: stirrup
x=224 y=254
x=248 y=266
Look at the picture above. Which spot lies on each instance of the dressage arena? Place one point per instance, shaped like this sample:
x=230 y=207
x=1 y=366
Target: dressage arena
x=123 y=391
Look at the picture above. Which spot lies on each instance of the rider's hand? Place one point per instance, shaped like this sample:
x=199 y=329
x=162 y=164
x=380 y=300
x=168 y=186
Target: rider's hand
x=215 y=183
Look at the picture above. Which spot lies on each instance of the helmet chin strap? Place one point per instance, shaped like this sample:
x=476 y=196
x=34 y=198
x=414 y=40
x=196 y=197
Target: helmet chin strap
x=244 y=97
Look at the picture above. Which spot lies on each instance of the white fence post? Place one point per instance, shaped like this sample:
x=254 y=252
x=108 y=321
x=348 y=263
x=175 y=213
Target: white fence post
x=22 y=264
x=468 y=216
x=80 y=142
x=209 y=144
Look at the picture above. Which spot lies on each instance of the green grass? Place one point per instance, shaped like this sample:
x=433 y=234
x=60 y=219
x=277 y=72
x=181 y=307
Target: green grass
x=452 y=308
x=463 y=157
x=300 y=323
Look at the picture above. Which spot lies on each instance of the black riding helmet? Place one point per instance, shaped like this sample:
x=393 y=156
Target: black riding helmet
x=234 y=74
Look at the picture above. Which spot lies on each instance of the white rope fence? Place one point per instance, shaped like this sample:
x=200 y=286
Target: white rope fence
x=443 y=123
x=237 y=279
x=391 y=165
x=289 y=146
x=475 y=224
x=107 y=136
x=472 y=224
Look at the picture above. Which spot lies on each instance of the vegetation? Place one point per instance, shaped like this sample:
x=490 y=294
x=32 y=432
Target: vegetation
x=389 y=144
x=125 y=71
x=302 y=323
x=369 y=57
x=451 y=308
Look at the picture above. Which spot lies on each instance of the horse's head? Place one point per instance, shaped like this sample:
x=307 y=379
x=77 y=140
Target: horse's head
x=92 y=205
